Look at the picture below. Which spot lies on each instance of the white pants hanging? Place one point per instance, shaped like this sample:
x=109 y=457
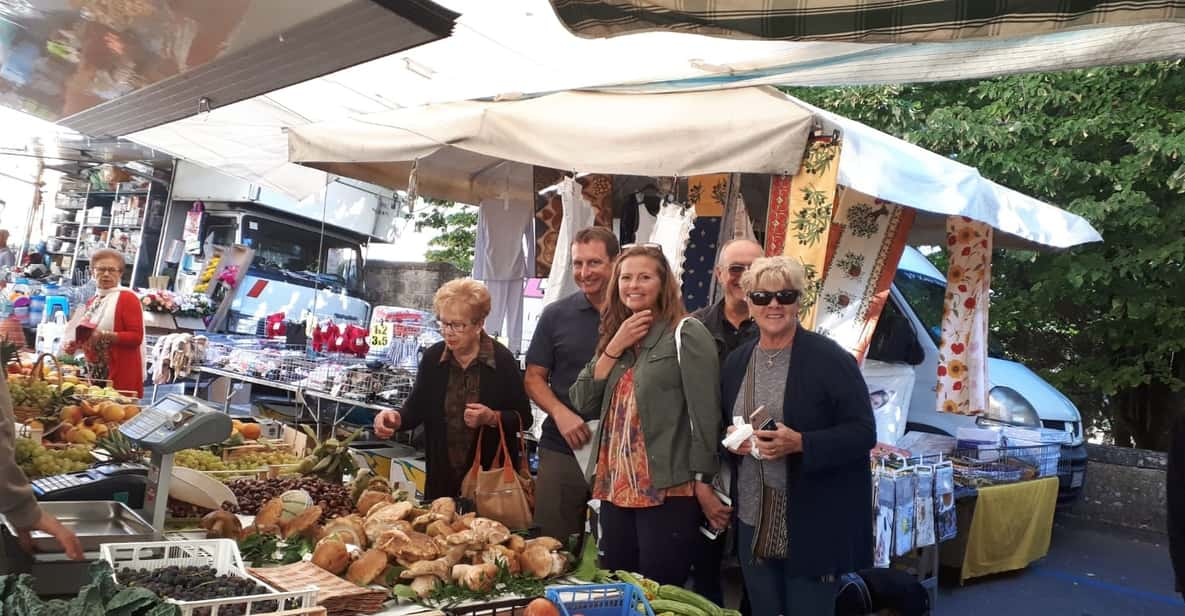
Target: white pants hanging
x=506 y=312
x=578 y=214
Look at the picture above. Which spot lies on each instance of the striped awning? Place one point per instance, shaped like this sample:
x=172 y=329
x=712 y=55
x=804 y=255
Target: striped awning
x=861 y=21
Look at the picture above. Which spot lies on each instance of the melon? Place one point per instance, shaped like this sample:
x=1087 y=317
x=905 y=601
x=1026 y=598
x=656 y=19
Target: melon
x=295 y=503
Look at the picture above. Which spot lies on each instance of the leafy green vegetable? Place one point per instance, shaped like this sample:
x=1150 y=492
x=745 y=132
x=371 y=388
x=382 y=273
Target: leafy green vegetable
x=102 y=597
x=505 y=583
x=264 y=549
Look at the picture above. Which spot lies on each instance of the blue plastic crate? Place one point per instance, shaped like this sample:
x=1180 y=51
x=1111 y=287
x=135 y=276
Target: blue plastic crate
x=599 y=600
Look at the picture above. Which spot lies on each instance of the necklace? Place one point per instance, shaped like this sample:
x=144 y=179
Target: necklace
x=770 y=358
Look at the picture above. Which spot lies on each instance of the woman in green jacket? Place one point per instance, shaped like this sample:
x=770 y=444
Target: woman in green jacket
x=656 y=446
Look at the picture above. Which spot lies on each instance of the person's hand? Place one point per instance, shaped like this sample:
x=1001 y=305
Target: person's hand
x=718 y=513
x=632 y=330
x=386 y=423
x=478 y=415
x=778 y=443
x=70 y=348
x=573 y=428
x=49 y=524
x=744 y=448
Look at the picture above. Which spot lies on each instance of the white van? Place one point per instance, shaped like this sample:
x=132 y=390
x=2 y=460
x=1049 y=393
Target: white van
x=909 y=331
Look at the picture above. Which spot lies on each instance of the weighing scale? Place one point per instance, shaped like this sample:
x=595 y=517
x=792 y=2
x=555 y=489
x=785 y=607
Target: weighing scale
x=83 y=501
x=174 y=423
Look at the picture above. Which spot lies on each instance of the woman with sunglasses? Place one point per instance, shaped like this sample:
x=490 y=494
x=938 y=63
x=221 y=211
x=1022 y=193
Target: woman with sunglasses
x=466 y=385
x=655 y=450
x=812 y=451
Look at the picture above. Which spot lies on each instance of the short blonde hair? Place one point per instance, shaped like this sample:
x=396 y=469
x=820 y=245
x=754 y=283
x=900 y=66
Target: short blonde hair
x=786 y=271
x=108 y=253
x=465 y=293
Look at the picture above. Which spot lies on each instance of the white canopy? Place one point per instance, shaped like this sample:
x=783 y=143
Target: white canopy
x=518 y=46
x=745 y=130
x=457 y=145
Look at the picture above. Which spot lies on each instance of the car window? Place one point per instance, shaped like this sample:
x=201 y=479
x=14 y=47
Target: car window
x=924 y=294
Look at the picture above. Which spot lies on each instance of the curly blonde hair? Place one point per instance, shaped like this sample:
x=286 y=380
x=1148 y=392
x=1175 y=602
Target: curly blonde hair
x=784 y=271
x=469 y=295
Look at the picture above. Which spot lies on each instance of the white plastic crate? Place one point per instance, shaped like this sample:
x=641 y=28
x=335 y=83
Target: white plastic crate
x=221 y=555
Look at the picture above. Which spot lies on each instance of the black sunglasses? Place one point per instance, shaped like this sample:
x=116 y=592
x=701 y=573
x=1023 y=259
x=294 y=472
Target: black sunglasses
x=785 y=297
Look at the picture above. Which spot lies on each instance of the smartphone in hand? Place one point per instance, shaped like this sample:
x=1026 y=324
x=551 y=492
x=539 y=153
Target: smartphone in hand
x=761 y=419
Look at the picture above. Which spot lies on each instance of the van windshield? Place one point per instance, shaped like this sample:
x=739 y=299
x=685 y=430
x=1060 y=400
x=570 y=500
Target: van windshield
x=925 y=295
x=280 y=247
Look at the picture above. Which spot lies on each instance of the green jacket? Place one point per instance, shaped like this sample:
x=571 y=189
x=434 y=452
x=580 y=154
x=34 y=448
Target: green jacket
x=678 y=402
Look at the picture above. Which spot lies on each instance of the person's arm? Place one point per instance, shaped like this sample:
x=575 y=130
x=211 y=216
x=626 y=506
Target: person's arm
x=411 y=414
x=129 y=322
x=17 y=502
x=518 y=415
x=848 y=441
x=699 y=367
x=586 y=393
x=540 y=361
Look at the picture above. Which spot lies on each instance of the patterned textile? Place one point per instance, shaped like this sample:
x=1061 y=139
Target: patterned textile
x=463 y=387
x=962 y=356
x=708 y=193
x=549 y=211
x=777 y=217
x=867 y=238
x=809 y=214
x=698 y=261
x=672 y=231
x=598 y=189
x=623 y=474
x=578 y=214
x=869 y=21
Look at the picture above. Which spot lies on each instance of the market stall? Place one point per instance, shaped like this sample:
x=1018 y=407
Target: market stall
x=473 y=152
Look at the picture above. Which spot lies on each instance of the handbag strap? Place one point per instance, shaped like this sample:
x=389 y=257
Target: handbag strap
x=501 y=457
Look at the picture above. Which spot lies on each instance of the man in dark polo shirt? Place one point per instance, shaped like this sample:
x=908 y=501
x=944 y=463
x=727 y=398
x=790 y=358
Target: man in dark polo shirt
x=564 y=342
x=729 y=322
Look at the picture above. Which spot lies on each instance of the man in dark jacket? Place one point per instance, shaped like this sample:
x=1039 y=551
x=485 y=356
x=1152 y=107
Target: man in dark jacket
x=1175 y=493
x=729 y=322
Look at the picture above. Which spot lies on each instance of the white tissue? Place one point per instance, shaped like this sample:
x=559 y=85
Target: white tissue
x=743 y=431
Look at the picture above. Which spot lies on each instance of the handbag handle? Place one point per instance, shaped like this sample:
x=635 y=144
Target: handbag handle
x=502 y=456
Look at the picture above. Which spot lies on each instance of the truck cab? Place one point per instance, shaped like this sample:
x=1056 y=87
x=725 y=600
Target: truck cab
x=286 y=274
x=910 y=330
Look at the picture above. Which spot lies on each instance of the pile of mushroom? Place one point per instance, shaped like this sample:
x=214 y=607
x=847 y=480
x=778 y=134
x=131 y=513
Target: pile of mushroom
x=434 y=545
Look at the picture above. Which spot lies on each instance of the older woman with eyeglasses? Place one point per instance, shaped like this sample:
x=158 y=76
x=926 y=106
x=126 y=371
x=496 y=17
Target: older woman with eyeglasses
x=110 y=328
x=802 y=504
x=466 y=385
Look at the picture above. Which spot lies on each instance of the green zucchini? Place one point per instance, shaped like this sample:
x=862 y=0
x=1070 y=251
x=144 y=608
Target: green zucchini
x=681 y=609
x=682 y=595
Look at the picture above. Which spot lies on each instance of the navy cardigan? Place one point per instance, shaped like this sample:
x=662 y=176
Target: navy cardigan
x=829 y=484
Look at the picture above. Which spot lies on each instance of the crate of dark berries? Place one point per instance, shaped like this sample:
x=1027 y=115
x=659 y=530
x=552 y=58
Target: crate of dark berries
x=204 y=578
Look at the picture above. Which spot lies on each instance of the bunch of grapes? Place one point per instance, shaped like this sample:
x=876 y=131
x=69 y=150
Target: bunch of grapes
x=37 y=461
x=263 y=459
x=31 y=393
x=200 y=460
x=199 y=584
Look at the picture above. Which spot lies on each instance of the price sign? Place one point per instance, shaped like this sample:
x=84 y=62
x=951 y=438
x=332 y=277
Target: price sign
x=380 y=334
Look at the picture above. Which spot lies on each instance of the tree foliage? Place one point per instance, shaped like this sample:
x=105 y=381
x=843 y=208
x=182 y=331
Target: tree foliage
x=456 y=227
x=1104 y=322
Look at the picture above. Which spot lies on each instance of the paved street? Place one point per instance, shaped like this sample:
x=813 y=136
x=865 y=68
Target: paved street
x=1089 y=572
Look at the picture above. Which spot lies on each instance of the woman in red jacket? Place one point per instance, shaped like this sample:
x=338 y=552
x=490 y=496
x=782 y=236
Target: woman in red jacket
x=110 y=329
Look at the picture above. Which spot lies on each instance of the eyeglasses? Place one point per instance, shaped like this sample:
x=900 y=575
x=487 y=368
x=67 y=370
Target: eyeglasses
x=785 y=297
x=453 y=326
x=736 y=269
x=107 y=270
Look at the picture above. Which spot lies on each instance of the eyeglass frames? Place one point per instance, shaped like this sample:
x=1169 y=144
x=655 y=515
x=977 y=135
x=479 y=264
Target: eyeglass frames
x=453 y=326
x=785 y=297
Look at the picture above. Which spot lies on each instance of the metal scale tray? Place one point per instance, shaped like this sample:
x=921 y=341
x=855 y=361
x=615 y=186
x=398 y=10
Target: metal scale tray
x=95 y=523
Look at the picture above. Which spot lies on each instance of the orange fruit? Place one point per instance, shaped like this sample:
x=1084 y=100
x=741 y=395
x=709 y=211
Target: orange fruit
x=251 y=431
x=130 y=411
x=113 y=412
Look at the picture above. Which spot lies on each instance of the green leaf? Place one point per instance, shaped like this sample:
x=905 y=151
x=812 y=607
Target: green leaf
x=404 y=591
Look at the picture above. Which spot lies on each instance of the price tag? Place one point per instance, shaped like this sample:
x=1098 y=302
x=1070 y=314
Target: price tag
x=380 y=334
